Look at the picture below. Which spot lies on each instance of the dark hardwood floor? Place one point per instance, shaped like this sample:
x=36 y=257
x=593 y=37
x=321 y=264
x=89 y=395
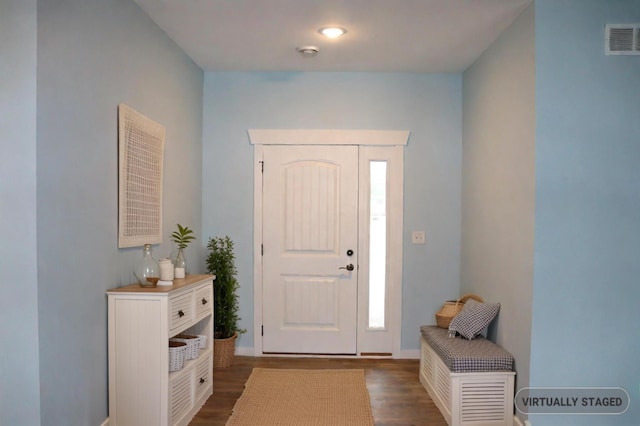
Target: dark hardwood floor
x=397 y=396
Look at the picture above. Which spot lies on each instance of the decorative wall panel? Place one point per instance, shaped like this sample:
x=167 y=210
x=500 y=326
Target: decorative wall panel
x=141 y=146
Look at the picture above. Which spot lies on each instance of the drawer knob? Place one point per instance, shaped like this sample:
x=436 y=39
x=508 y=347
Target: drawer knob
x=202 y=380
x=180 y=313
x=204 y=301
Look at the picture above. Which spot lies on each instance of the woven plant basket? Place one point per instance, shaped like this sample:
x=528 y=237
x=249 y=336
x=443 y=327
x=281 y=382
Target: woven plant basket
x=451 y=308
x=224 y=351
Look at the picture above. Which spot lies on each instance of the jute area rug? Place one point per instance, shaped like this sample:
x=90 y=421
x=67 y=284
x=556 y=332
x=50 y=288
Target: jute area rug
x=303 y=397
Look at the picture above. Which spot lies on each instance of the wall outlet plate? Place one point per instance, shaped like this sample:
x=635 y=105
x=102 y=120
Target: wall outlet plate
x=417 y=237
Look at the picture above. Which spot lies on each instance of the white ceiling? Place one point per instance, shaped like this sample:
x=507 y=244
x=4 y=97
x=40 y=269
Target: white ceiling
x=422 y=36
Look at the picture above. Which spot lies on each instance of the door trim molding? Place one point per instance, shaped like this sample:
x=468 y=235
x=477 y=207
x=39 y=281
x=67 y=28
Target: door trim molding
x=328 y=137
x=258 y=153
x=260 y=137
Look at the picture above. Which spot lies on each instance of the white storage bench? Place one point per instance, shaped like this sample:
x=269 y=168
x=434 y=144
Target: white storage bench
x=470 y=381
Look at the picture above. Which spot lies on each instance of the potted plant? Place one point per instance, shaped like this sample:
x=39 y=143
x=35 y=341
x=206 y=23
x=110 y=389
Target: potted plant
x=182 y=237
x=221 y=263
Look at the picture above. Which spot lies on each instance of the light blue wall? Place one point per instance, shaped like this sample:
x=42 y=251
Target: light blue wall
x=427 y=105
x=19 y=371
x=587 y=250
x=93 y=55
x=498 y=185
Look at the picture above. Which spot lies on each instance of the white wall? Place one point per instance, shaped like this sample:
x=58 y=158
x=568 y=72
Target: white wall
x=498 y=184
x=19 y=369
x=427 y=105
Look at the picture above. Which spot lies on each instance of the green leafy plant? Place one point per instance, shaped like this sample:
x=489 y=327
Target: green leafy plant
x=182 y=237
x=221 y=263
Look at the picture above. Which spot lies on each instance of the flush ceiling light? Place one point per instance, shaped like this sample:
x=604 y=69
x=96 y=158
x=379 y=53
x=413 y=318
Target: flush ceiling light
x=332 y=32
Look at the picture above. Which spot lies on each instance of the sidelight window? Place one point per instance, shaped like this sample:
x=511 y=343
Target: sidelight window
x=377 y=243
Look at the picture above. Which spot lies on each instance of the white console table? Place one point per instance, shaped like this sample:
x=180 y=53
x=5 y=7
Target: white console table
x=142 y=391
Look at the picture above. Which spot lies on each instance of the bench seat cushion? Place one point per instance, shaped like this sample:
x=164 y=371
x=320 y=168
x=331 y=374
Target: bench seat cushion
x=464 y=356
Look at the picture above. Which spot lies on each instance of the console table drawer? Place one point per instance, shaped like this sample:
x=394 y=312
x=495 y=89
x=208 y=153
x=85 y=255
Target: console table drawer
x=180 y=310
x=203 y=375
x=204 y=299
x=181 y=397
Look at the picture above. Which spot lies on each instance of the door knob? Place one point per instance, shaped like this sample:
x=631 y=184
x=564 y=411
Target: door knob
x=349 y=267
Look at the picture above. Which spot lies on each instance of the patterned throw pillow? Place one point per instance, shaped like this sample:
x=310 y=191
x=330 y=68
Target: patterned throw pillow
x=473 y=318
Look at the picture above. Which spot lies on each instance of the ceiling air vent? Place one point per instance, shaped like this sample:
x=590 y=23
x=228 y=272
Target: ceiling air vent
x=622 y=39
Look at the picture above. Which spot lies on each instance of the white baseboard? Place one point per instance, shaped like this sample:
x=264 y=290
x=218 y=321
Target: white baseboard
x=244 y=351
x=105 y=423
x=409 y=354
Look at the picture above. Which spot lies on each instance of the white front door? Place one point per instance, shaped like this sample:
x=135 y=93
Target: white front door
x=310 y=238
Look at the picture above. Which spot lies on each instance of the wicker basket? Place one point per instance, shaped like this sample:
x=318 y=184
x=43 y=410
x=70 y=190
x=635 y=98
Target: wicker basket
x=203 y=340
x=451 y=308
x=193 y=345
x=176 y=355
x=224 y=351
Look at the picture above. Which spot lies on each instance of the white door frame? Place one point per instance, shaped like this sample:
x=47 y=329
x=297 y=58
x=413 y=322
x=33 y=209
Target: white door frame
x=260 y=137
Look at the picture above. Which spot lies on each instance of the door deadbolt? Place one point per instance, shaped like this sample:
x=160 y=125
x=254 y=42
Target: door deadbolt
x=349 y=252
